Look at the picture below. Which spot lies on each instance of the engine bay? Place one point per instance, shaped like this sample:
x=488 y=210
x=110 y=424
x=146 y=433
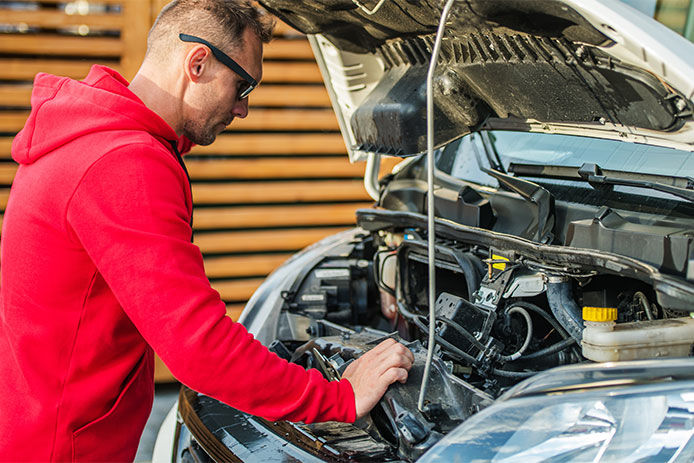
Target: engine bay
x=502 y=315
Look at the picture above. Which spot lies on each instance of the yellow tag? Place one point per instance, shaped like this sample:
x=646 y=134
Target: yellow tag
x=499 y=266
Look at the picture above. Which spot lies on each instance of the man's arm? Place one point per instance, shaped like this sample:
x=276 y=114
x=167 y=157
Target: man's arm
x=130 y=215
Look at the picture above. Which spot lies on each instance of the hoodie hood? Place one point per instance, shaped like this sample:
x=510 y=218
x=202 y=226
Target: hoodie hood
x=63 y=109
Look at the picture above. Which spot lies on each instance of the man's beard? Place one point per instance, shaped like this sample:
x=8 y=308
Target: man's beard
x=198 y=134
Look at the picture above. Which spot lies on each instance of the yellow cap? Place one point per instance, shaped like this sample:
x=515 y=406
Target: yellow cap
x=599 y=314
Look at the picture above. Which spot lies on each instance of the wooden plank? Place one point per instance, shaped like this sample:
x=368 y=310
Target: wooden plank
x=234 y=310
x=156 y=6
x=275 y=192
x=305 y=167
x=288 y=49
x=279 y=71
x=254 y=145
x=26 y=69
x=270 y=144
x=237 y=290
x=265 y=95
x=258 y=119
x=5 y=147
x=134 y=36
x=12 y=121
x=7 y=171
x=261 y=240
x=107 y=2
x=242 y=266
x=276 y=216
x=287 y=120
x=161 y=372
x=54 y=44
x=280 y=192
x=250 y=168
x=283 y=29
x=4 y=194
x=15 y=95
x=56 y=19
x=289 y=95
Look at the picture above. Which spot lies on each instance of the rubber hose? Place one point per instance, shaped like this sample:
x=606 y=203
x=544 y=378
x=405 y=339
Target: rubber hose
x=513 y=374
x=553 y=349
x=472 y=276
x=564 y=308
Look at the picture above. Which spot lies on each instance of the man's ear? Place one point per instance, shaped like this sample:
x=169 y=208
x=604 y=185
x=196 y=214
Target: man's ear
x=197 y=61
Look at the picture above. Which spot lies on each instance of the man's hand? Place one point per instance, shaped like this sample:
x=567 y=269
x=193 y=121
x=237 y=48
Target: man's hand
x=372 y=373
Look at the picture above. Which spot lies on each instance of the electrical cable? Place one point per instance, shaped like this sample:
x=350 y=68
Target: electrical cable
x=417 y=320
x=528 y=336
x=458 y=352
x=548 y=318
x=430 y=200
x=553 y=322
x=465 y=333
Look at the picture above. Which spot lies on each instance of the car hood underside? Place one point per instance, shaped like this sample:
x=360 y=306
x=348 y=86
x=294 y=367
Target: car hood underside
x=524 y=62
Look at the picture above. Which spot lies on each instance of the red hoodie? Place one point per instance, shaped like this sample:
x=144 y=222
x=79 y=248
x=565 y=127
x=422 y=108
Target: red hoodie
x=97 y=266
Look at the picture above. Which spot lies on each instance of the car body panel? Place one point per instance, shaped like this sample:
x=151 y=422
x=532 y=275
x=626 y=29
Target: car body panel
x=597 y=68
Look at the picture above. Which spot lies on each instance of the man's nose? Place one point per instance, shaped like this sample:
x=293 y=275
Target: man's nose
x=240 y=108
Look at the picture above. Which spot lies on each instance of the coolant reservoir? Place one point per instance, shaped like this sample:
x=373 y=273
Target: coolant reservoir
x=605 y=341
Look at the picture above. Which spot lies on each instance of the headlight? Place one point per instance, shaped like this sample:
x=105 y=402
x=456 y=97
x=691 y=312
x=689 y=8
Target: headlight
x=624 y=423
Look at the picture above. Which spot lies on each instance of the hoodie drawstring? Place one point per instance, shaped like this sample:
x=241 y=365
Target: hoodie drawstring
x=179 y=158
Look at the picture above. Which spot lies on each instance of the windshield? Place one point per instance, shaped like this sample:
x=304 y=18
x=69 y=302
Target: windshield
x=464 y=158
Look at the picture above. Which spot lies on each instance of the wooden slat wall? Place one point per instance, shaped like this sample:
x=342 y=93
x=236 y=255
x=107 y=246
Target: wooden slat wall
x=271 y=184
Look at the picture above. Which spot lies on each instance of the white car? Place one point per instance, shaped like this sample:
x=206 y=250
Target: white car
x=563 y=195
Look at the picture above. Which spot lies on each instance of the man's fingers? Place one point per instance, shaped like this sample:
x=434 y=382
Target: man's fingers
x=383 y=346
x=391 y=354
x=409 y=354
x=395 y=374
x=372 y=373
x=388 y=347
x=397 y=359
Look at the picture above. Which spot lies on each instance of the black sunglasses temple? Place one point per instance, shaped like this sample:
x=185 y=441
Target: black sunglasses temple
x=226 y=60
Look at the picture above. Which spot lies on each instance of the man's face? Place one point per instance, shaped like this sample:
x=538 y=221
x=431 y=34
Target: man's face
x=216 y=101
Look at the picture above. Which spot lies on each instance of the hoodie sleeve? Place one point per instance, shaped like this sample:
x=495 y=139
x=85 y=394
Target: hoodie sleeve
x=129 y=213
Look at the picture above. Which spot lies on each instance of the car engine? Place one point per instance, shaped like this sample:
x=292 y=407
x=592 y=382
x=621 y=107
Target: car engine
x=502 y=315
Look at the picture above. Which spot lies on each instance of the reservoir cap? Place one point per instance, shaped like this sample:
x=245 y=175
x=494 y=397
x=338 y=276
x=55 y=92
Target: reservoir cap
x=599 y=314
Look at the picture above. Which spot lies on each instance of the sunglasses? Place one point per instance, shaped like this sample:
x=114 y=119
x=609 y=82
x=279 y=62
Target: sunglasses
x=250 y=82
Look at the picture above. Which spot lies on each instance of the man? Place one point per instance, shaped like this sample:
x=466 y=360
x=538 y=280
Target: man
x=97 y=263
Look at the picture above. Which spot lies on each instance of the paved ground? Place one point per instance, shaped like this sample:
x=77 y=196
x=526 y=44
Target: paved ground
x=164 y=397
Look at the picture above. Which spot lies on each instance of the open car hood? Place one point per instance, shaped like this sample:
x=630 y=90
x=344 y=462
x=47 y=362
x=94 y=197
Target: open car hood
x=585 y=67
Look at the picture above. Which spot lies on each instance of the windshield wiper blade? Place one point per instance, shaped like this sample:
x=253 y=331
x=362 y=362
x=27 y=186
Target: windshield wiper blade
x=598 y=178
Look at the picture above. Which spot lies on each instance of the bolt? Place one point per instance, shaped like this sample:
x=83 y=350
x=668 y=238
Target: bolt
x=680 y=104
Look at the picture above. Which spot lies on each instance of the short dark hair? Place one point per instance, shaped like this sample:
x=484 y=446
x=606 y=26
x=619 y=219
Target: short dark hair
x=221 y=22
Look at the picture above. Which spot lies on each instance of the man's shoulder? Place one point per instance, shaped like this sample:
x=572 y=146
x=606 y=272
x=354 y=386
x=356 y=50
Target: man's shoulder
x=99 y=144
x=107 y=149
x=135 y=139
